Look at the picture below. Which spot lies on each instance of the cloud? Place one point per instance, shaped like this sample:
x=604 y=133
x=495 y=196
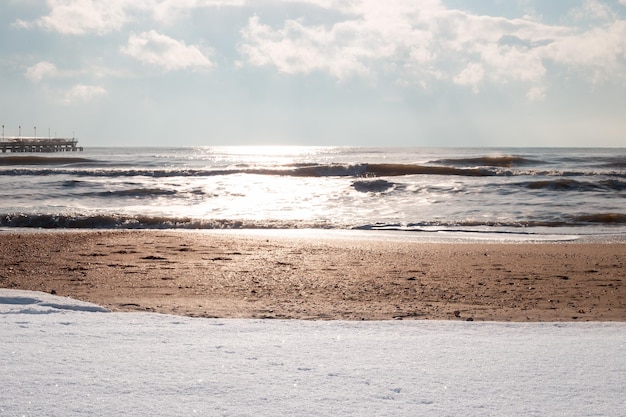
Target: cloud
x=78 y=17
x=599 y=54
x=83 y=93
x=297 y=48
x=166 y=11
x=424 y=42
x=40 y=70
x=412 y=43
x=47 y=70
x=160 y=50
x=536 y=93
x=372 y=35
x=593 y=10
x=471 y=75
x=418 y=39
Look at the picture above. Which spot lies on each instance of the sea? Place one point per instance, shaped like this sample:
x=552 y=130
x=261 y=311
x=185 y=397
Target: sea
x=455 y=193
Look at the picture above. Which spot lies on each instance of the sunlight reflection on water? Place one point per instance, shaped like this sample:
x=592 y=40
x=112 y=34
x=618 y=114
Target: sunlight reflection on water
x=416 y=189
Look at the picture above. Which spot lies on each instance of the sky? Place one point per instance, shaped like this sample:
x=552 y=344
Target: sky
x=61 y=357
x=315 y=72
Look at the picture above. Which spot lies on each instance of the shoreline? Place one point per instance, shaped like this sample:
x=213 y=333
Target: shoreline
x=321 y=276
x=398 y=235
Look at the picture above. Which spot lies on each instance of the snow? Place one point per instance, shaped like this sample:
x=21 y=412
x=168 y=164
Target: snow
x=60 y=357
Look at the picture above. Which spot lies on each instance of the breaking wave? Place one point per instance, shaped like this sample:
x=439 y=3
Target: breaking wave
x=135 y=192
x=41 y=160
x=120 y=221
x=375 y=186
x=507 y=161
x=564 y=221
x=566 y=184
x=604 y=218
x=332 y=170
x=500 y=190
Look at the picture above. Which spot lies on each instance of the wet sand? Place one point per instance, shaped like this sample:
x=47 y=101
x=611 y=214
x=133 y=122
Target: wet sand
x=273 y=276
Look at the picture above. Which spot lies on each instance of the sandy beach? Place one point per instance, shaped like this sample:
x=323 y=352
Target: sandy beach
x=273 y=276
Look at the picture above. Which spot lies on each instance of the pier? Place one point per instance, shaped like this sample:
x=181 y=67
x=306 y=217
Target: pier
x=34 y=144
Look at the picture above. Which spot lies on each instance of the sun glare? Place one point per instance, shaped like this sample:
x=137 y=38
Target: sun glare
x=271 y=150
x=274 y=155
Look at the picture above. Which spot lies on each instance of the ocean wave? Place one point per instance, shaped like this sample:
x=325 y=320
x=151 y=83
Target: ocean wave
x=568 y=184
x=565 y=221
x=120 y=221
x=41 y=160
x=375 y=186
x=134 y=192
x=604 y=218
x=71 y=183
x=618 y=163
x=309 y=170
x=506 y=161
x=392 y=170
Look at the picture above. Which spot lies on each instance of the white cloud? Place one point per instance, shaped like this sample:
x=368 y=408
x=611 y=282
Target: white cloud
x=40 y=70
x=600 y=53
x=326 y=4
x=300 y=49
x=513 y=64
x=536 y=93
x=78 y=17
x=421 y=42
x=167 y=11
x=160 y=50
x=416 y=43
x=471 y=75
x=47 y=70
x=373 y=33
x=83 y=93
x=593 y=9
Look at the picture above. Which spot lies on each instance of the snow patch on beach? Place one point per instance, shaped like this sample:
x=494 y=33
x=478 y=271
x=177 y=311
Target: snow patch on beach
x=79 y=361
x=34 y=302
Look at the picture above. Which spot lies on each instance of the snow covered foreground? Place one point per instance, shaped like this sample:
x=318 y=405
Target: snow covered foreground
x=60 y=357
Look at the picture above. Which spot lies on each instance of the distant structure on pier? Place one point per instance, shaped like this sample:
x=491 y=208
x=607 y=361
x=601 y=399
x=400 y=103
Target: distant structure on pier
x=34 y=144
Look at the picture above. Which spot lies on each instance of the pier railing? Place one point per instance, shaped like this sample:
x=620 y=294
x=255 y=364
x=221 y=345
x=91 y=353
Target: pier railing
x=34 y=144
